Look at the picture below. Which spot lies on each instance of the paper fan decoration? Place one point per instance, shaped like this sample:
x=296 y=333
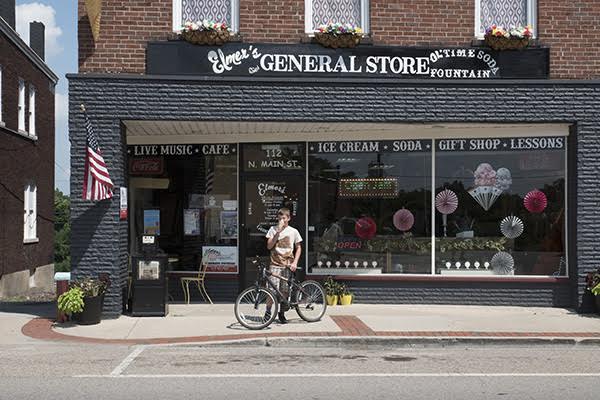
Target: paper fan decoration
x=511 y=227
x=503 y=263
x=485 y=195
x=484 y=175
x=535 y=201
x=365 y=228
x=446 y=202
x=403 y=220
x=503 y=179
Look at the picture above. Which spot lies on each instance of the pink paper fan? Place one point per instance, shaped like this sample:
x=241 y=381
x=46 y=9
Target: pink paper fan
x=365 y=228
x=535 y=201
x=403 y=220
x=446 y=202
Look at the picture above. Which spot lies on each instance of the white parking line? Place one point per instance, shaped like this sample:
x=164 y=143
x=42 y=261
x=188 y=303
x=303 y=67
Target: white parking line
x=127 y=361
x=117 y=374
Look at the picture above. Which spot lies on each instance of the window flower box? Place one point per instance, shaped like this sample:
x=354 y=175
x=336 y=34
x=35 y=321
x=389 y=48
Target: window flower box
x=339 y=35
x=205 y=33
x=500 y=39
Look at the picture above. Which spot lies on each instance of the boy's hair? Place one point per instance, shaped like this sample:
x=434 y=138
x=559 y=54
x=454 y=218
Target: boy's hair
x=285 y=211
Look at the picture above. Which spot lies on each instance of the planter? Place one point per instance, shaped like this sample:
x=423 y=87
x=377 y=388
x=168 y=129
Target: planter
x=92 y=311
x=598 y=304
x=209 y=38
x=346 y=300
x=504 y=43
x=589 y=303
x=331 y=300
x=345 y=40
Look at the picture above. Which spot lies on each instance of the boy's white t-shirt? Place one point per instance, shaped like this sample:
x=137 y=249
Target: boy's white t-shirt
x=282 y=254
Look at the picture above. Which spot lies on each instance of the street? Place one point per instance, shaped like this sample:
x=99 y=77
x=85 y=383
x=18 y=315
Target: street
x=75 y=371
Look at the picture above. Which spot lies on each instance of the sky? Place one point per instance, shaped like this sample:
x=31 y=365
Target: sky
x=60 y=20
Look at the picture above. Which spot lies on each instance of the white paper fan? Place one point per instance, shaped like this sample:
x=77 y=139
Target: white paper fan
x=511 y=227
x=485 y=195
x=503 y=263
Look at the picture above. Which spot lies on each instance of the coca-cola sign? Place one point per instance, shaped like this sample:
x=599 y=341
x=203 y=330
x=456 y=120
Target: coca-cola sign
x=146 y=166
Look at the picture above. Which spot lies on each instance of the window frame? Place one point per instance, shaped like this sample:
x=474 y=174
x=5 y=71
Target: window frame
x=235 y=16
x=21 y=107
x=531 y=18
x=308 y=16
x=32 y=98
x=1 y=108
x=30 y=211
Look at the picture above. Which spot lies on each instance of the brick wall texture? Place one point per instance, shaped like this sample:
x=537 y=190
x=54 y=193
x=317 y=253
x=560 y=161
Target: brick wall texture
x=99 y=239
x=564 y=26
x=24 y=161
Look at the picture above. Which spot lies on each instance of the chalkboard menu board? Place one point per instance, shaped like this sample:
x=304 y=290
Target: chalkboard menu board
x=368 y=187
x=273 y=157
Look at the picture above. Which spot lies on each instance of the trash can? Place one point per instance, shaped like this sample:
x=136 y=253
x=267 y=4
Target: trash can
x=62 y=280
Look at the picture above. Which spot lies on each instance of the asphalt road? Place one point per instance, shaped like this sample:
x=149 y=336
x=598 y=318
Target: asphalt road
x=37 y=370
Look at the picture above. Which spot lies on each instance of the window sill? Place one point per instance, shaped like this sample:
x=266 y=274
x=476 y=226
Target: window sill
x=27 y=135
x=31 y=241
x=480 y=42
x=437 y=278
x=2 y=124
x=309 y=37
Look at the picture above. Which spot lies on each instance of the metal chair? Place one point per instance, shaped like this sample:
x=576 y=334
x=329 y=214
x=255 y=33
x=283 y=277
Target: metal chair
x=199 y=280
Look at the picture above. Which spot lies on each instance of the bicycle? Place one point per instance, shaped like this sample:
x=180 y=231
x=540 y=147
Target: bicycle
x=252 y=305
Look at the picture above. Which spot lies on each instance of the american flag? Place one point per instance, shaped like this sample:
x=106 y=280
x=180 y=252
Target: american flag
x=96 y=180
x=210 y=176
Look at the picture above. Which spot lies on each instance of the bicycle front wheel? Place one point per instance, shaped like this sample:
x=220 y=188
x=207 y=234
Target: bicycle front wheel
x=255 y=308
x=310 y=301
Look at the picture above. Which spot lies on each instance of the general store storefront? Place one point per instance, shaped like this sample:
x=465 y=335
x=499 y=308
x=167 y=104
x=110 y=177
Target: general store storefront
x=408 y=187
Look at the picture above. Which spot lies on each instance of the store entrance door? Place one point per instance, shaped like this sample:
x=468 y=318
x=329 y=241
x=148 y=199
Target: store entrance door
x=262 y=195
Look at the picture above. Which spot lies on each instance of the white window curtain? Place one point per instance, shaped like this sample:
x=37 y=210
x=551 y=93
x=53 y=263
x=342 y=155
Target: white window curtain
x=21 y=105
x=30 y=212
x=319 y=12
x=32 y=111
x=226 y=11
x=508 y=13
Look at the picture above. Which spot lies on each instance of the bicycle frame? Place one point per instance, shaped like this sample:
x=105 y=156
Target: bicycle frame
x=264 y=273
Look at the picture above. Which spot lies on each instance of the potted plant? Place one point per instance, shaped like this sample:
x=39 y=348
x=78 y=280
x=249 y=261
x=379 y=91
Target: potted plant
x=331 y=291
x=205 y=32
x=336 y=35
x=593 y=284
x=84 y=300
x=345 y=295
x=499 y=38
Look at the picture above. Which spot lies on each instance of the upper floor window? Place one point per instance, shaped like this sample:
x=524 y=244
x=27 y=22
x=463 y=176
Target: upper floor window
x=30 y=213
x=224 y=11
x=507 y=13
x=31 y=110
x=320 y=12
x=21 y=126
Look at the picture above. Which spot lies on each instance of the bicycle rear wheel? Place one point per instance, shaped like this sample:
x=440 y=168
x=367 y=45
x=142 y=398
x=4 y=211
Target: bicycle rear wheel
x=310 y=301
x=251 y=308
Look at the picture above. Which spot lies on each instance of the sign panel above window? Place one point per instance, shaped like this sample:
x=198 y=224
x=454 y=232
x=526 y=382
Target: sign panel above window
x=378 y=62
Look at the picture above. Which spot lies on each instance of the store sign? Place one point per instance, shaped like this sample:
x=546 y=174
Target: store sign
x=149 y=150
x=368 y=188
x=274 y=157
x=502 y=144
x=370 y=146
x=146 y=166
x=279 y=60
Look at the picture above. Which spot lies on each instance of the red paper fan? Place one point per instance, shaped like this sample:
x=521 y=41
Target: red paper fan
x=535 y=201
x=365 y=228
x=403 y=220
x=446 y=202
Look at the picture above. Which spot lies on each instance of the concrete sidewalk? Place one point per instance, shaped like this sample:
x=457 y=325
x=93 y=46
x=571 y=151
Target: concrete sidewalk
x=206 y=323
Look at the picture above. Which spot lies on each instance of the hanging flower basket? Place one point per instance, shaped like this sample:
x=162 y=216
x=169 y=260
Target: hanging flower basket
x=338 y=35
x=514 y=39
x=205 y=32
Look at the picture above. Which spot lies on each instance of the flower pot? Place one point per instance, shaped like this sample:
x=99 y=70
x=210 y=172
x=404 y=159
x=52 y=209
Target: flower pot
x=504 y=43
x=589 y=303
x=210 y=38
x=92 y=311
x=598 y=304
x=331 y=300
x=345 y=40
x=346 y=300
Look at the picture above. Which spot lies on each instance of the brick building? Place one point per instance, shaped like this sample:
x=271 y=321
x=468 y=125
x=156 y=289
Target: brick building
x=421 y=166
x=26 y=159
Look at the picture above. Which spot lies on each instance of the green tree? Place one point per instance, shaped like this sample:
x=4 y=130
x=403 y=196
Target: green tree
x=62 y=232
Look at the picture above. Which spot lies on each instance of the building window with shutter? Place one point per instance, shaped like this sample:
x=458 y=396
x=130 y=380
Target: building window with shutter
x=21 y=126
x=507 y=13
x=32 y=111
x=223 y=11
x=320 y=12
x=30 y=214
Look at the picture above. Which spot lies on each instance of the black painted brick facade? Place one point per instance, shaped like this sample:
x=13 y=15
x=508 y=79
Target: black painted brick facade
x=99 y=239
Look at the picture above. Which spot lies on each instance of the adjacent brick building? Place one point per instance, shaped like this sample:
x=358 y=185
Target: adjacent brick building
x=26 y=160
x=361 y=143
